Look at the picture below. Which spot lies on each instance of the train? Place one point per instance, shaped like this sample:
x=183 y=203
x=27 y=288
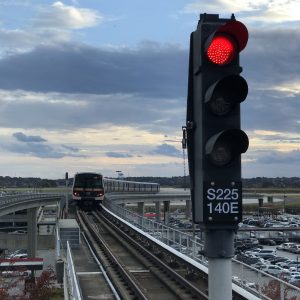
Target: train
x=89 y=188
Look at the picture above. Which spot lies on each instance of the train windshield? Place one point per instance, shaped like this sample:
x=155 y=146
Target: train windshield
x=88 y=181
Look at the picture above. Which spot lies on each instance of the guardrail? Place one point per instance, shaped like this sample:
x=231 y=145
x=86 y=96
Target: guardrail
x=180 y=241
x=72 y=277
x=7 y=199
x=58 y=243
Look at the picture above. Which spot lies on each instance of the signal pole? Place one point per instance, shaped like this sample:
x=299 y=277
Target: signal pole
x=215 y=141
x=183 y=142
x=67 y=195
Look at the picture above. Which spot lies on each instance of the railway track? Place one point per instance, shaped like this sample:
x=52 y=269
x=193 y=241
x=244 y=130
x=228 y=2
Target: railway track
x=140 y=268
x=137 y=270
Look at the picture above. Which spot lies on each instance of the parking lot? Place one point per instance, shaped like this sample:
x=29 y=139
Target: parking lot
x=268 y=249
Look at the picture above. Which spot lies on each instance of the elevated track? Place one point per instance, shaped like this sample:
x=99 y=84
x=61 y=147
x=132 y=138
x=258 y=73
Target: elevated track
x=144 y=266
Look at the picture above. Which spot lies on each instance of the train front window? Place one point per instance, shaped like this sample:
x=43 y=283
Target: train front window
x=88 y=181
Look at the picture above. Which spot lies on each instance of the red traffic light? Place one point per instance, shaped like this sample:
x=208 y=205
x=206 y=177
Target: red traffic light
x=226 y=42
x=222 y=50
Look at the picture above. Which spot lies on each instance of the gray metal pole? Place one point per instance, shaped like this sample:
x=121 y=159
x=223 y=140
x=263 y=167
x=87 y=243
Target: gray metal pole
x=67 y=197
x=141 y=211
x=31 y=232
x=188 y=208
x=166 y=211
x=219 y=281
x=157 y=211
x=219 y=249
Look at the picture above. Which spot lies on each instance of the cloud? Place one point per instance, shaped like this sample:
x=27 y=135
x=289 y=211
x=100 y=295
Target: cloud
x=276 y=157
x=263 y=11
x=21 y=137
x=61 y=86
x=118 y=155
x=57 y=87
x=53 y=25
x=70 y=148
x=67 y=17
x=21 y=109
x=37 y=150
x=278 y=137
x=36 y=146
x=81 y=69
x=218 y=5
x=167 y=150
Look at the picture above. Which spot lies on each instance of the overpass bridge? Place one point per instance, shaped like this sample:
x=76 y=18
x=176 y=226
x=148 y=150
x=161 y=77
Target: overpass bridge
x=12 y=203
x=30 y=202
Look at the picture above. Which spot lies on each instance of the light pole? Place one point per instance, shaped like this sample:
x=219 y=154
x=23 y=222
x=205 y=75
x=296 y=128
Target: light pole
x=67 y=198
x=120 y=174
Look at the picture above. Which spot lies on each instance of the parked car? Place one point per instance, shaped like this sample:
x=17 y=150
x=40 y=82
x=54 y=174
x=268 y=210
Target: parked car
x=294 y=266
x=293 y=273
x=280 y=239
x=267 y=241
x=293 y=225
x=266 y=253
x=249 y=259
x=259 y=265
x=283 y=264
x=273 y=270
x=284 y=275
x=285 y=246
x=291 y=265
x=18 y=232
x=21 y=253
x=294 y=278
x=253 y=251
x=14 y=273
x=278 y=259
x=295 y=249
x=252 y=241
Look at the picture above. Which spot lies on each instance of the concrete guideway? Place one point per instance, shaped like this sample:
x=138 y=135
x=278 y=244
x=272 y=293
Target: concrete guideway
x=31 y=202
x=12 y=203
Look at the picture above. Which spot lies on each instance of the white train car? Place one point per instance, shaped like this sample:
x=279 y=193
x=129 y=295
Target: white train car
x=124 y=186
x=89 y=188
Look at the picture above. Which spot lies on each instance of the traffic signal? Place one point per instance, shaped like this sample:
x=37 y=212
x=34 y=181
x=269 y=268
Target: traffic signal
x=214 y=138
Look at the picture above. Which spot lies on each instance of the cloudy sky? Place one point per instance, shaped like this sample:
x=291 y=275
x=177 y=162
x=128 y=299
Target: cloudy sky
x=101 y=85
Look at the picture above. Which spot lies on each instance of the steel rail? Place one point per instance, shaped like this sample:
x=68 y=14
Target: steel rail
x=109 y=282
x=193 y=290
x=115 y=262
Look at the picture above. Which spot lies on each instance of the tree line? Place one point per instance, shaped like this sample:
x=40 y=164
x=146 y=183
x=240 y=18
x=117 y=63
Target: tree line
x=175 y=181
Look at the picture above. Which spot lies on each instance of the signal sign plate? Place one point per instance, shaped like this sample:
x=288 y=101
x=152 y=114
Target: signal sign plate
x=222 y=203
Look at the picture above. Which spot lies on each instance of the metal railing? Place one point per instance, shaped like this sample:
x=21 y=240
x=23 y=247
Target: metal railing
x=10 y=199
x=72 y=277
x=58 y=244
x=252 y=280
x=176 y=239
